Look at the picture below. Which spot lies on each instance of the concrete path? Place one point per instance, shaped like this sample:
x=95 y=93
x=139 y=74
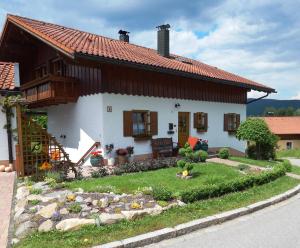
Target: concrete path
x=294 y=161
x=6 y=194
x=274 y=227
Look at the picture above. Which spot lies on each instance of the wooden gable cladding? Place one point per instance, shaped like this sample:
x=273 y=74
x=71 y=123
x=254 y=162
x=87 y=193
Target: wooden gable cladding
x=129 y=81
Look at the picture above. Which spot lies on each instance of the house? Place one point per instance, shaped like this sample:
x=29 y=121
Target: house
x=9 y=83
x=95 y=88
x=287 y=128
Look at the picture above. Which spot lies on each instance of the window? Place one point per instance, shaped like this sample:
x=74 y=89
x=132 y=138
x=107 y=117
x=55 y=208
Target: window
x=139 y=123
x=57 y=67
x=40 y=71
x=231 y=122
x=289 y=145
x=200 y=121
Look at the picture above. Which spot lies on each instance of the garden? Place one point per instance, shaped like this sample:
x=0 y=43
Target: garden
x=136 y=197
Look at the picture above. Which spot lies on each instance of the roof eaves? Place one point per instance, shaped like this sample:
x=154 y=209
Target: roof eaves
x=63 y=49
x=80 y=55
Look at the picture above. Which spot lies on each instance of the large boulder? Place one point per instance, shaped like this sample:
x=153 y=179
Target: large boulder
x=106 y=218
x=22 y=218
x=25 y=228
x=48 y=210
x=21 y=204
x=46 y=226
x=74 y=223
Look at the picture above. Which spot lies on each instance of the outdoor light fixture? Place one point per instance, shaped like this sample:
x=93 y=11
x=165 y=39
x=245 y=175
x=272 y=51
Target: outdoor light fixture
x=177 y=105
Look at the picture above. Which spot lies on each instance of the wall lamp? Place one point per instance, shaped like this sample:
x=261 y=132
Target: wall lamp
x=177 y=105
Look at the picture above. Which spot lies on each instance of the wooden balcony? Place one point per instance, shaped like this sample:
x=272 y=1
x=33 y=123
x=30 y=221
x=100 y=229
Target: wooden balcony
x=50 y=90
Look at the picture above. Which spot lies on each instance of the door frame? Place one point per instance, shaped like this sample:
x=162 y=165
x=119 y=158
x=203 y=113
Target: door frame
x=189 y=124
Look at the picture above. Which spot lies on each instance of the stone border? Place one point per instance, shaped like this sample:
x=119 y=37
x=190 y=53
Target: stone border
x=182 y=229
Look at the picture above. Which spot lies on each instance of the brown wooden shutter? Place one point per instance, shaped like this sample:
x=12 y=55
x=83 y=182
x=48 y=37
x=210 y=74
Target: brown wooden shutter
x=127 y=124
x=238 y=120
x=153 y=123
x=195 y=120
x=206 y=121
x=225 y=122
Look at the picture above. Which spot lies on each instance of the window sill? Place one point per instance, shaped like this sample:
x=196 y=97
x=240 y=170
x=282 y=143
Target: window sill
x=142 y=137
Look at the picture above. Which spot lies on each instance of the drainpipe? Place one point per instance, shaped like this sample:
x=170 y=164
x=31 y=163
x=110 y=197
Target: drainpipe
x=257 y=99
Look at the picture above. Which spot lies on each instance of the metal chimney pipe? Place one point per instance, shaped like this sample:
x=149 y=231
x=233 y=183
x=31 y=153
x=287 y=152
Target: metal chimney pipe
x=123 y=35
x=163 y=40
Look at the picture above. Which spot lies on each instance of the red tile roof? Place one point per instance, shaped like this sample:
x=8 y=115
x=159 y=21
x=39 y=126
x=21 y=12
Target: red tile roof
x=74 y=42
x=7 y=76
x=284 y=125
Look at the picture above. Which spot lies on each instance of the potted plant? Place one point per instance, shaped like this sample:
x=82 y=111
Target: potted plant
x=130 y=150
x=96 y=158
x=122 y=154
x=109 y=152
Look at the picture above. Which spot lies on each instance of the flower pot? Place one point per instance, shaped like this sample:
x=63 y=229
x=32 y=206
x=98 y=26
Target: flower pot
x=111 y=161
x=96 y=161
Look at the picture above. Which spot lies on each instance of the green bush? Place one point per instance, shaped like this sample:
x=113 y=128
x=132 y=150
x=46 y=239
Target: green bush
x=224 y=153
x=239 y=184
x=181 y=152
x=75 y=208
x=161 y=193
x=56 y=176
x=202 y=155
x=189 y=166
x=181 y=163
x=287 y=164
x=101 y=172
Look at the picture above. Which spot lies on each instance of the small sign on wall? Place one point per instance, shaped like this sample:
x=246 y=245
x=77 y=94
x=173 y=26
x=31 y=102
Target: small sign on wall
x=109 y=108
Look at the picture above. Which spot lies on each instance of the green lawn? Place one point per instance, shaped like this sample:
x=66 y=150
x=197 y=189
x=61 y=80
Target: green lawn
x=172 y=217
x=204 y=174
x=293 y=153
x=262 y=163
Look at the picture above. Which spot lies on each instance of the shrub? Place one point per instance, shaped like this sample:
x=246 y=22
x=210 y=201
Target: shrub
x=181 y=152
x=239 y=184
x=224 y=153
x=243 y=167
x=101 y=172
x=287 y=164
x=203 y=155
x=75 y=208
x=181 y=163
x=57 y=176
x=161 y=193
x=189 y=167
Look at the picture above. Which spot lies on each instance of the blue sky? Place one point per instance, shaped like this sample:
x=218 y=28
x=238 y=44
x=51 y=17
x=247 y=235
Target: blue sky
x=258 y=39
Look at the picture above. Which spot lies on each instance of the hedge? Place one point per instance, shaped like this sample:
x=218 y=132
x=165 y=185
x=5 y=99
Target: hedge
x=239 y=184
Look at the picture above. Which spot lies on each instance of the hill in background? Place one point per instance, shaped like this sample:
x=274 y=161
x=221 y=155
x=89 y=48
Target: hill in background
x=257 y=108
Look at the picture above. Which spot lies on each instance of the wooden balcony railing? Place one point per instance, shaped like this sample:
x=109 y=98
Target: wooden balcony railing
x=51 y=90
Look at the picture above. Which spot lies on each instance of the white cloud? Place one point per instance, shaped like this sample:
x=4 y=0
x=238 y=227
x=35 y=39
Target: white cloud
x=296 y=97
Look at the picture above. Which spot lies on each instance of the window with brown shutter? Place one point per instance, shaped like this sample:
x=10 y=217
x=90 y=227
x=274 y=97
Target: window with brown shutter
x=140 y=123
x=231 y=122
x=201 y=121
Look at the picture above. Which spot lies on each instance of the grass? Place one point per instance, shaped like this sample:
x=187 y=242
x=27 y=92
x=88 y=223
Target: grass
x=263 y=163
x=204 y=174
x=91 y=235
x=293 y=153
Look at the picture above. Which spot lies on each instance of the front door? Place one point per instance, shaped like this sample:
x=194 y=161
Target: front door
x=183 y=127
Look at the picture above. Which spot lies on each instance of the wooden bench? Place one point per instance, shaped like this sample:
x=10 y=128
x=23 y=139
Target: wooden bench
x=162 y=147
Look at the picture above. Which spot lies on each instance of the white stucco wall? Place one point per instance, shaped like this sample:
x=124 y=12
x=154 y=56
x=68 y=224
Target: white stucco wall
x=3 y=137
x=80 y=122
x=88 y=121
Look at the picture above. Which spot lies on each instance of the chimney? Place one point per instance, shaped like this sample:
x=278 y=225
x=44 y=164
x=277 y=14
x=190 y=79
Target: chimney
x=124 y=35
x=163 y=40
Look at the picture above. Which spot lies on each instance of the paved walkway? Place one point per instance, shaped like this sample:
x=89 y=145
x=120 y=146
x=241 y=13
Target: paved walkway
x=6 y=195
x=294 y=161
x=274 y=227
x=235 y=164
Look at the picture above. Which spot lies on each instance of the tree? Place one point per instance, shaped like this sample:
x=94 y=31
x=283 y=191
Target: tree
x=259 y=137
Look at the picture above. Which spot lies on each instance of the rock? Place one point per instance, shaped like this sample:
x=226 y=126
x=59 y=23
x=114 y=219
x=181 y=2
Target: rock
x=2 y=168
x=58 y=194
x=134 y=214
x=21 y=204
x=79 y=199
x=180 y=203
x=39 y=185
x=73 y=223
x=79 y=191
x=18 y=213
x=116 y=199
x=95 y=202
x=8 y=169
x=48 y=210
x=39 y=198
x=88 y=200
x=106 y=218
x=84 y=214
x=64 y=211
x=85 y=208
x=22 y=192
x=35 y=209
x=15 y=241
x=93 y=211
x=24 y=229
x=103 y=202
x=46 y=226
x=22 y=218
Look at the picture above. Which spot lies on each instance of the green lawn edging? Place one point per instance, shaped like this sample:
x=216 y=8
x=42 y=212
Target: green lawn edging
x=239 y=184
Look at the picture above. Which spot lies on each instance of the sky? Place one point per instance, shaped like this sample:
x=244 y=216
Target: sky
x=257 y=39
